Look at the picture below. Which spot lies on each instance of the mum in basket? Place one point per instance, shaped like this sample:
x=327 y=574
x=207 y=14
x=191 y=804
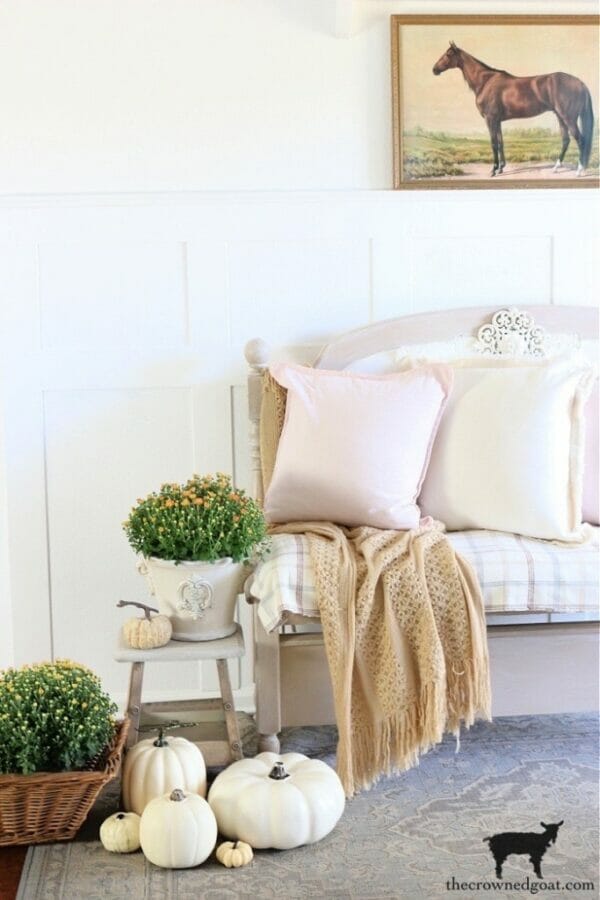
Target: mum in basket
x=59 y=745
x=195 y=541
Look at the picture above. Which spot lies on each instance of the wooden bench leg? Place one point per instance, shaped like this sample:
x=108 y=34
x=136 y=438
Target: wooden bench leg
x=231 y=722
x=134 y=702
x=268 y=690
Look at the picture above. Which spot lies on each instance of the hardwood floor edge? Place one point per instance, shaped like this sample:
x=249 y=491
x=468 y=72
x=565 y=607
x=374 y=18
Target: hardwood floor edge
x=12 y=860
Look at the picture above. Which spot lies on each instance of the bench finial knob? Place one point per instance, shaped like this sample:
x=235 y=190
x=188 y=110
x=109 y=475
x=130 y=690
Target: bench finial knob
x=256 y=352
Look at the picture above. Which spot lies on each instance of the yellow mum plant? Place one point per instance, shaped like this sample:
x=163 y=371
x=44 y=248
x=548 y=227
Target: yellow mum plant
x=53 y=717
x=205 y=519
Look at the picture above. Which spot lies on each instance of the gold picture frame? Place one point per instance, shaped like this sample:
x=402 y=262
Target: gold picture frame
x=495 y=129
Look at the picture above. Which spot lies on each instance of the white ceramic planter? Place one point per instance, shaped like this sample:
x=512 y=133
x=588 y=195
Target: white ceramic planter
x=198 y=597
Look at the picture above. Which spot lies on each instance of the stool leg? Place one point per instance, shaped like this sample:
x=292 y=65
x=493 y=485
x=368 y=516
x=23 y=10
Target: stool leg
x=231 y=722
x=134 y=701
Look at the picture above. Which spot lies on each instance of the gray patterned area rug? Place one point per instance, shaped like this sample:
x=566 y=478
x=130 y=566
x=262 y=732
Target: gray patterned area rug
x=417 y=835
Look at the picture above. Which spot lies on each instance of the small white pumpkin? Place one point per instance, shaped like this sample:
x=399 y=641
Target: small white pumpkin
x=120 y=833
x=155 y=767
x=233 y=855
x=178 y=830
x=147 y=632
x=280 y=801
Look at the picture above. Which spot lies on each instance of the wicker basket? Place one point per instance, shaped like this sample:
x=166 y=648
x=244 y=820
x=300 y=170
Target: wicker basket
x=52 y=806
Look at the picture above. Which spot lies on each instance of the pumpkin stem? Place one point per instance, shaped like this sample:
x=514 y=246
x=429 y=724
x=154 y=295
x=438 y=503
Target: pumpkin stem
x=160 y=742
x=120 y=815
x=147 y=609
x=177 y=795
x=278 y=772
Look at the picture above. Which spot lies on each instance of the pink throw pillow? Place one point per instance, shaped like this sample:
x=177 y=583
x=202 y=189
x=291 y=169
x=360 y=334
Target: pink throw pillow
x=354 y=448
x=591 y=502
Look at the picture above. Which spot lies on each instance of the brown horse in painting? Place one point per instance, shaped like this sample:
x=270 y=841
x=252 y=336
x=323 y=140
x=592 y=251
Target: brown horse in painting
x=501 y=96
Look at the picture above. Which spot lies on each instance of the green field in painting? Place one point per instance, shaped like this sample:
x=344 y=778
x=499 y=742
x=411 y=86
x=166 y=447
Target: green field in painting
x=434 y=154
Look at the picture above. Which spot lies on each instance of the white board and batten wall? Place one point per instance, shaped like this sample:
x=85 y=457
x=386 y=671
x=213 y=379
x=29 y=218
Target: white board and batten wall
x=124 y=311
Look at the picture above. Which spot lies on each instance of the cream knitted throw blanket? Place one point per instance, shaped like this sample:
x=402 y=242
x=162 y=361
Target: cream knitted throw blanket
x=404 y=632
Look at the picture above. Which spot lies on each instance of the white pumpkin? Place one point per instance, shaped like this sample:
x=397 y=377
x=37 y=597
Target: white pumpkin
x=280 y=801
x=178 y=830
x=234 y=854
x=155 y=767
x=147 y=632
x=120 y=833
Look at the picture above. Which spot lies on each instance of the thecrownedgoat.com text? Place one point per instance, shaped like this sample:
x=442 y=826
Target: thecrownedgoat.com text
x=526 y=886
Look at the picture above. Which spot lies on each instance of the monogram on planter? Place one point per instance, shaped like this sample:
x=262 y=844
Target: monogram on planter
x=195 y=540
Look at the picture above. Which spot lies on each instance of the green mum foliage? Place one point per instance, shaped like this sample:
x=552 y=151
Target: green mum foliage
x=204 y=519
x=53 y=717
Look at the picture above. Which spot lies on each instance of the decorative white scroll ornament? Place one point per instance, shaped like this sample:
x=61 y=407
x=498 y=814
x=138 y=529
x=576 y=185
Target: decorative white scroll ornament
x=194 y=597
x=512 y=333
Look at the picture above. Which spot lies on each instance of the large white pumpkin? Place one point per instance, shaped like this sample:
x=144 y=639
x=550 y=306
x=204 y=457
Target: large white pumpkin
x=280 y=801
x=178 y=830
x=155 y=767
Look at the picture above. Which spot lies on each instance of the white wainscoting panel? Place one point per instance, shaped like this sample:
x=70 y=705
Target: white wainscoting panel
x=391 y=274
x=104 y=449
x=325 y=283
x=6 y=632
x=576 y=269
x=23 y=566
x=207 y=286
x=124 y=294
x=27 y=533
x=480 y=270
x=212 y=418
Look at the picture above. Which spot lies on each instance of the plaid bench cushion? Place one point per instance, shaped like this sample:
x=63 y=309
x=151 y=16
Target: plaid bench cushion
x=516 y=575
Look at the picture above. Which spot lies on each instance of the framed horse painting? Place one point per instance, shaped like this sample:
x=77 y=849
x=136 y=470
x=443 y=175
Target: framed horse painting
x=495 y=101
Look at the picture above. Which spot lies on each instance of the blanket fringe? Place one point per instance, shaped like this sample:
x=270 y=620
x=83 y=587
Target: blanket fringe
x=397 y=743
x=469 y=695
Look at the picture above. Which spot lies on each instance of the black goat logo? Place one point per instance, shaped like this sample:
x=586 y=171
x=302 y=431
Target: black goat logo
x=530 y=843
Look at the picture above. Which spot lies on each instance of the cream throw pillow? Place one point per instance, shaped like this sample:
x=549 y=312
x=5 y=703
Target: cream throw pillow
x=354 y=448
x=509 y=451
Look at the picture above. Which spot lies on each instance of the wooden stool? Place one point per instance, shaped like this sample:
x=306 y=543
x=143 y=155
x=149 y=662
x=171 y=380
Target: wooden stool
x=216 y=753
